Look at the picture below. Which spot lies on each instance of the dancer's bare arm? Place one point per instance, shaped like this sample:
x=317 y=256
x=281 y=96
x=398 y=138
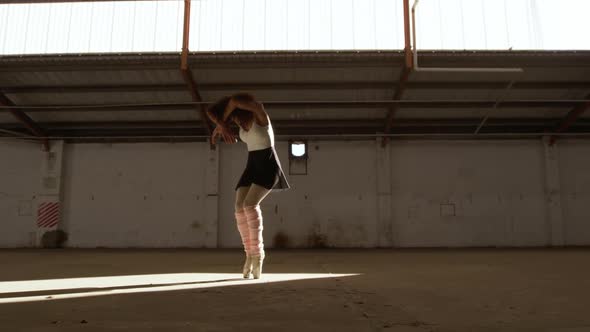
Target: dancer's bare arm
x=247 y=105
x=222 y=130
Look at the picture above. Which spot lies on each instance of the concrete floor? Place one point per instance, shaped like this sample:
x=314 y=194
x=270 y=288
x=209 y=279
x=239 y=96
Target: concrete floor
x=392 y=290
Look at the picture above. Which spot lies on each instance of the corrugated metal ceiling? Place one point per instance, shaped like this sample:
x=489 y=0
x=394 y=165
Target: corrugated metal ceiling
x=290 y=76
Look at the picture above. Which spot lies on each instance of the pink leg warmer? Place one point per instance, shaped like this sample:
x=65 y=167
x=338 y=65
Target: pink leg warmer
x=254 y=216
x=242 y=222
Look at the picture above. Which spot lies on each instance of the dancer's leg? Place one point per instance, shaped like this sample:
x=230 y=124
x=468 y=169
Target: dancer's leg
x=254 y=216
x=242 y=223
x=241 y=220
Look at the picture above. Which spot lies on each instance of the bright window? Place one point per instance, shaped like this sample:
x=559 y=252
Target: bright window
x=235 y=25
x=298 y=149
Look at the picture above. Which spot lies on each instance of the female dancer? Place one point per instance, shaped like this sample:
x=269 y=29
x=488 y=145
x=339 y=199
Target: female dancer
x=263 y=171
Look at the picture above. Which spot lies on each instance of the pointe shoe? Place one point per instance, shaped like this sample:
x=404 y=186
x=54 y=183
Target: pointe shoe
x=247 y=270
x=257 y=265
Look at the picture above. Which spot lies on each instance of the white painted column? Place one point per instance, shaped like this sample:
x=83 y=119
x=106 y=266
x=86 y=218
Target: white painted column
x=384 y=229
x=212 y=199
x=49 y=200
x=554 y=211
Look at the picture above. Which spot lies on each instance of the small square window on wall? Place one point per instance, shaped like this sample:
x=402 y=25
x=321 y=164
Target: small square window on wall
x=298 y=157
x=297 y=149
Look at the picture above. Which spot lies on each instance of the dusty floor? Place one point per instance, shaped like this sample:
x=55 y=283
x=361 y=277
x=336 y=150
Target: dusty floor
x=391 y=290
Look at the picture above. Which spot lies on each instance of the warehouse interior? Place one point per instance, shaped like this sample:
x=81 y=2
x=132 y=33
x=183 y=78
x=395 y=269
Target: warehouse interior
x=445 y=195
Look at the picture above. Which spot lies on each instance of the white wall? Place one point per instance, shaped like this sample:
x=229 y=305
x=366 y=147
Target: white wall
x=574 y=172
x=135 y=195
x=159 y=195
x=20 y=178
x=334 y=203
x=496 y=189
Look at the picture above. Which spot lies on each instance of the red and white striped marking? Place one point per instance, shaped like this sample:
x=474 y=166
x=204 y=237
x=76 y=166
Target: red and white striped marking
x=48 y=214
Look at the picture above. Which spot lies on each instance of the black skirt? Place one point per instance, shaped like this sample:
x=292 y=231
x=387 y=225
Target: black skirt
x=264 y=169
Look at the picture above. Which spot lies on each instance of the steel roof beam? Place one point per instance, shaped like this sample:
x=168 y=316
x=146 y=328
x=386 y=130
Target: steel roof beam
x=303 y=123
x=551 y=60
x=26 y=121
x=285 y=130
x=489 y=113
x=185 y=70
x=404 y=74
x=410 y=104
x=570 y=119
x=232 y=86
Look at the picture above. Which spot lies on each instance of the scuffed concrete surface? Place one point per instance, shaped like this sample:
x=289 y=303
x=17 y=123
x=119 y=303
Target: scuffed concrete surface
x=395 y=290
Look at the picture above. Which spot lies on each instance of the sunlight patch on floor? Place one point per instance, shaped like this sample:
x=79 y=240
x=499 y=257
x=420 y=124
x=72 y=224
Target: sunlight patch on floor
x=115 y=285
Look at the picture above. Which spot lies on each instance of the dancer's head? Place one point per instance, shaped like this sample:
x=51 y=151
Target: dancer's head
x=239 y=116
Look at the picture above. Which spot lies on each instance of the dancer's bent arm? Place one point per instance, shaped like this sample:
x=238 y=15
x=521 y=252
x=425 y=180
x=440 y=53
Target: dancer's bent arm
x=247 y=103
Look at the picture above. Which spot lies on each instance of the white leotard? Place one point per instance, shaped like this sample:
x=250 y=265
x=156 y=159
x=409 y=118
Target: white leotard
x=258 y=137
